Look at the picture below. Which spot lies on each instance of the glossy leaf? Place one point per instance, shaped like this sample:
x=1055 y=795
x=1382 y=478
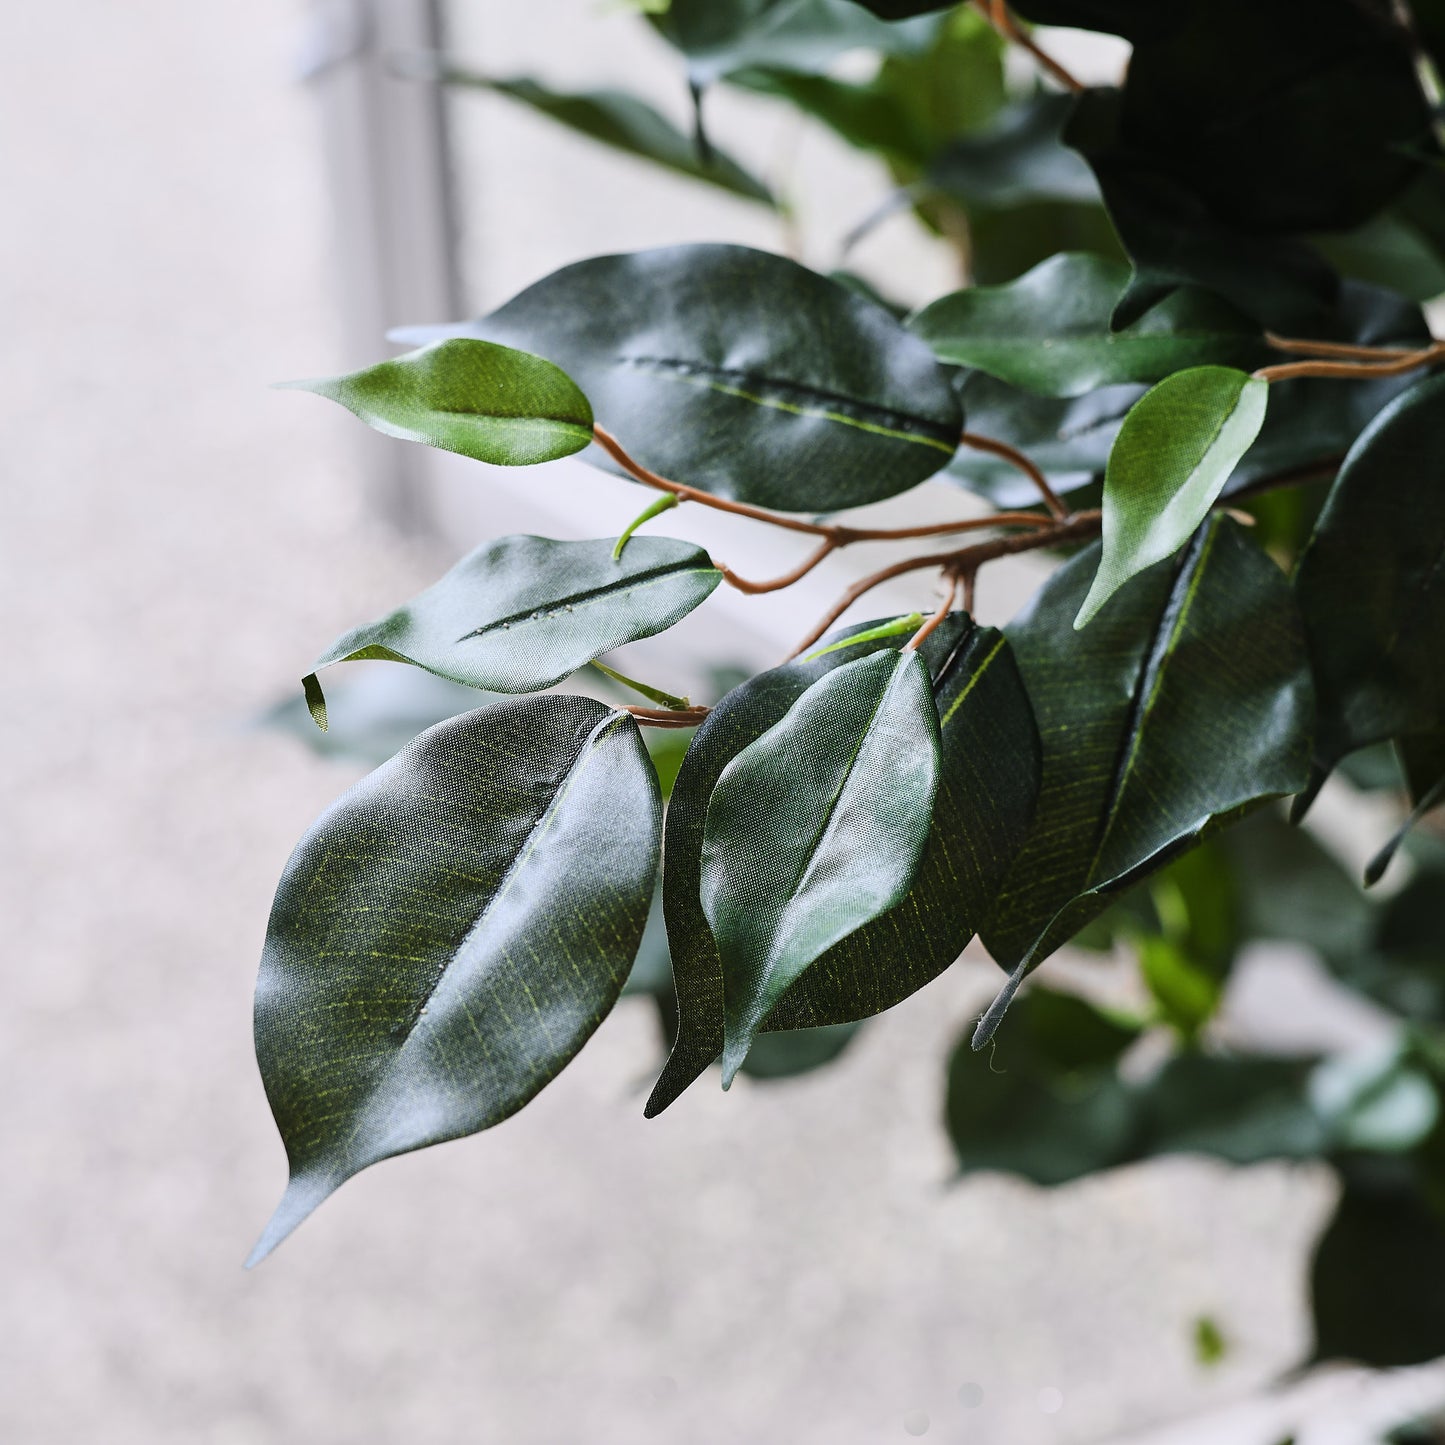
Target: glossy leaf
x=521 y=613
x=1371 y=584
x=1018 y=159
x=1173 y=456
x=722 y=36
x=742 y=373
x=449 y=934
x=625 y=123
x=817 y=828
x=985 y=800
x=485 y=401
x=1185 y=703
x=1049 y=333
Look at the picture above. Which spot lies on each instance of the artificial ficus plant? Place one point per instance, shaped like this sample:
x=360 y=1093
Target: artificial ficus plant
x=1177 y=372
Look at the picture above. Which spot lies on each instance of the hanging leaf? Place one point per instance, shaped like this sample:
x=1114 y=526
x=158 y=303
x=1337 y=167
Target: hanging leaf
x=1069 y=441
x=521 y=613
x=1371 y=584
x=482 y=400
x=449 y=934
x=1048 y=332
x=741 y=373
x=625 y=123
x=817 y=828
x=1188 y=701
x=985 y=800
x=1173 y=455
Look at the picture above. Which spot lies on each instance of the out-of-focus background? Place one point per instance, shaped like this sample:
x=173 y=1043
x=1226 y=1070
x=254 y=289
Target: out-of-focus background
x=201 y=199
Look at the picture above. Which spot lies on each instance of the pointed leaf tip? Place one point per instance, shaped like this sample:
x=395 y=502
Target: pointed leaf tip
x=304 y=1194
x=315 y=700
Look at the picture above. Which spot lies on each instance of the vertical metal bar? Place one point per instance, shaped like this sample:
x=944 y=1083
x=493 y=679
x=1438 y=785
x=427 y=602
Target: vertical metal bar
x=387 y=152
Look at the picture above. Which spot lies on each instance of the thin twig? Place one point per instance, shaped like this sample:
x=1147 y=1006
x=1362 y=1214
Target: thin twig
x=753 y=589
x=836 y=533
x=996 y=12
x=1051 y=498
x=865 y=585
x=936 y=621
x=653 y=717
x=1337 y=350
x=1356 y=371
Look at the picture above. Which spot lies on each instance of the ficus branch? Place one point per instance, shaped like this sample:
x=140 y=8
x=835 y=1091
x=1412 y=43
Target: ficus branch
x=996 y=12
x=1052 y=500
x=1391 y=362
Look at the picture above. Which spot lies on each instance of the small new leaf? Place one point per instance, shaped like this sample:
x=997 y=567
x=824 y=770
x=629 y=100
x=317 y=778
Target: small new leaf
x=1170 y=462
x=817 y=828
x=484 y=401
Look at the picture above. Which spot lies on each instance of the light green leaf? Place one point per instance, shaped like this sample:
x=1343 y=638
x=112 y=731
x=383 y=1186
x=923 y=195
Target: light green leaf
x=816 y=829
x=741 y=373
x=1188 y=702
x=485 y=401
x=449 y=934
x=625 y=123
x=984 y=804
x=1170 y=462
x=1048 y=332
x=521 y=613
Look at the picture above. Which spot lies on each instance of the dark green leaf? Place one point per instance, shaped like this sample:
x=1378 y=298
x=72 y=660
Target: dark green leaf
x=815 y=829
x=1291 y=116
x=1048 y=332
x=985 y=800
x=449 y=934
x=800 y=1051
x=1174 y=453
x=627 y=124
x=1018 y=159
x=521 y=613
x=1069 y=441
x=742 y=373
x=1187 y=701
x=1133 y=19
x=903 y=9
x=482 y=400
x=1378 y=1279
x=722 y=36
x=1174 y=241
x=1371 y=584
x=1047 y=1103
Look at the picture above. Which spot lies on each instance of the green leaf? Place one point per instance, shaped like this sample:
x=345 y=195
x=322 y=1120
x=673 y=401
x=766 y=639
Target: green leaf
x=1378 y=1277
x=1187 y=702
x=625 y=123
x=722 y=36
x=1173 y=455
x=1069 y=441
x=1018 y=159
x=1371 y=584
x=521 y=613
x=1046 y=1104
x=1048 y=332
x=817 y=828
x=482 y=400
x=1187 y=995
x=985 y=800
x=449 y=934
x=741 y=373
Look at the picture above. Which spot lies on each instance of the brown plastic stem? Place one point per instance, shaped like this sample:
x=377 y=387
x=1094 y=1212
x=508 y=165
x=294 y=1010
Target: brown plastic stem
x=928 y=628
x=1337 y=350
x=1010 y=454
x=996 y=12
x=1355 y=371
x=753 y=589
